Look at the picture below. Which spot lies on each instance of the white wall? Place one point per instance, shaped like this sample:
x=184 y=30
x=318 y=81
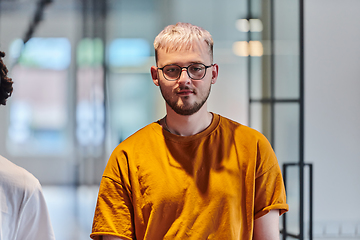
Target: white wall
x=332 y=112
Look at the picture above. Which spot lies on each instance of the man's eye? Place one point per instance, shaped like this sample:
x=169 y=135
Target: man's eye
x=196 y=69
x=171 y=69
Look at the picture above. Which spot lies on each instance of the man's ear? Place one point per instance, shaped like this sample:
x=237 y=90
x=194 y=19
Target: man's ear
x=154 y=75
x=215 y=73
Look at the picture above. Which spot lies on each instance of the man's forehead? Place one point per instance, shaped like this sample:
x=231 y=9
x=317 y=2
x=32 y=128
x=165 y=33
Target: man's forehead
x=196 y=51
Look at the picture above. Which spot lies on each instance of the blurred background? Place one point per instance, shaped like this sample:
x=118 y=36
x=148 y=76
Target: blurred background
x=82 y=84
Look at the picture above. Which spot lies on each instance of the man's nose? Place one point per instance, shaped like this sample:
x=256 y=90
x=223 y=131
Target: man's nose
x=184 y=77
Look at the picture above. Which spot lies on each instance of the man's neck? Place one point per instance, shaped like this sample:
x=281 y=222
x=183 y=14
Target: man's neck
x=187 y=125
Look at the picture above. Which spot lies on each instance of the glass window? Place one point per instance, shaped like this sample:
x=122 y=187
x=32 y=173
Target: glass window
x=38 y=109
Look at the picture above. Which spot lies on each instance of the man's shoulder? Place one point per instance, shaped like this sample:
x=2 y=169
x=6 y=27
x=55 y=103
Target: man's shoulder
x=141 y=136
x=236 y=128
x=144 y=132
x=13 y=175
x=231 y=124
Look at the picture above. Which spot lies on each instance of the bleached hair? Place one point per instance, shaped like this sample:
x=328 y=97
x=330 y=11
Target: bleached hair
x=182 y=36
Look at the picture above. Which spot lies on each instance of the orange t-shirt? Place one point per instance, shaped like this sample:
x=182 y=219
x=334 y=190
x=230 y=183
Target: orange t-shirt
x=211 y=185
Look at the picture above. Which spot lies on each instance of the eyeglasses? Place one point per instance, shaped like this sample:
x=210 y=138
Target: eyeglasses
x=195 y=71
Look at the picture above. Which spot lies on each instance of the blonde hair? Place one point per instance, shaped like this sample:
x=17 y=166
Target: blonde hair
x=182 y=36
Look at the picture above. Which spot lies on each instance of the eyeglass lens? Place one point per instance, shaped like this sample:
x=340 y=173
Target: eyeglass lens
x=195 y=71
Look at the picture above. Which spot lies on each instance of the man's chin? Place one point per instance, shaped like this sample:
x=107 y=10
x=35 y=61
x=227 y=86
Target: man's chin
x=186 y=111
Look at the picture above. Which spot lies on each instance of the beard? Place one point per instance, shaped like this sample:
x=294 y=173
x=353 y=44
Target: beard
x=185 y=108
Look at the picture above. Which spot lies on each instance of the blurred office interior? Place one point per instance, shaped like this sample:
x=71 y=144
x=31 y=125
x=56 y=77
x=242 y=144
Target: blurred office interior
x=288 y=68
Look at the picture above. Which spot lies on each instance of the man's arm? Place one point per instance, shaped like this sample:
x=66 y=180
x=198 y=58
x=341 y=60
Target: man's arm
x=267 y=226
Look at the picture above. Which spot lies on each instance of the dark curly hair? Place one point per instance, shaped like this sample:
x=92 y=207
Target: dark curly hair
x=6 y=82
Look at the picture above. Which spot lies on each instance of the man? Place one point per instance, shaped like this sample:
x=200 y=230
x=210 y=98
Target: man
x=193 y=174
x=24 y=215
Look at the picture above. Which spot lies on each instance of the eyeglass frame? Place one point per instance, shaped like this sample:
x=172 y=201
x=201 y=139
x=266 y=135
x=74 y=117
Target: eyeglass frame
x=187 y=71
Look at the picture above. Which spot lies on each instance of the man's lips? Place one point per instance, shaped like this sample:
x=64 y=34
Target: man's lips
x=185 y=92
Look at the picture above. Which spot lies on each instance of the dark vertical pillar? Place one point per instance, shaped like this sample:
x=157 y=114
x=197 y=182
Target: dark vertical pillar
x=272 y=79
x=249 y=59
x=301 y=130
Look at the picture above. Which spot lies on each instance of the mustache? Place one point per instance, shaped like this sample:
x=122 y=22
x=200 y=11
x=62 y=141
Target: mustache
x=181 y=88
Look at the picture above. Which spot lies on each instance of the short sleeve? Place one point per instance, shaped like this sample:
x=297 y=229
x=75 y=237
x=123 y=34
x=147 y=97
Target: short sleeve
x=270 y=192
x=113 y=212
x=269 y=184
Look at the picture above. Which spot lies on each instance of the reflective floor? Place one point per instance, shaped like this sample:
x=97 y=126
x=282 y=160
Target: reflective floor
x=71 y=210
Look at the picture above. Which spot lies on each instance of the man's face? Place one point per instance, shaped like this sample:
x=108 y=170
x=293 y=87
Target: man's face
x=185 y=96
